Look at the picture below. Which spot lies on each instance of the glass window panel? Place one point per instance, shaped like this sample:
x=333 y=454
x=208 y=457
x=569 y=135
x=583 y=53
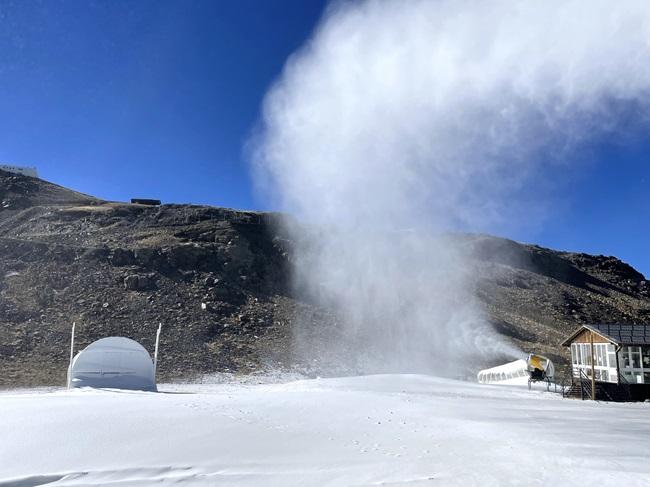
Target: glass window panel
x=625 y=357
x=600 y=354
x=594 y=353
x=646 y=357
x=636 y=357
x=612 y=360
x=581 y=351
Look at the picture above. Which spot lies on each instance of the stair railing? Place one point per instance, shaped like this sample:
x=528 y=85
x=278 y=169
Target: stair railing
x=585 y=386
x=624 y=385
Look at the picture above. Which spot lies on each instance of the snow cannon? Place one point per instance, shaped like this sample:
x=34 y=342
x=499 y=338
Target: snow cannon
x=540 y=368
x=520 y=372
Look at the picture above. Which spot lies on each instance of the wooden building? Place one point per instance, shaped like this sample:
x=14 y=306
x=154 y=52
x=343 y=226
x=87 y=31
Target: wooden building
x=610 y=361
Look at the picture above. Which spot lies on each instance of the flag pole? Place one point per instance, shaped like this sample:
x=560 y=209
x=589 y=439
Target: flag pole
x=155 y=354
x=71 y=352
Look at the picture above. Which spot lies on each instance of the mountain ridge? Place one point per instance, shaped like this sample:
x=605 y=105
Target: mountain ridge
x=219 y=280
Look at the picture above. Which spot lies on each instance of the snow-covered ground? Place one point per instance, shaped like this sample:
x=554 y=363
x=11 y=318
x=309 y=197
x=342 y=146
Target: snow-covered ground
x=375 y=430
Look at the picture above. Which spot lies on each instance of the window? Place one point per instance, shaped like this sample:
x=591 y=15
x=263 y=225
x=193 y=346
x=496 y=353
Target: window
x=600 y=354
x=611 y=355
x=646 y=357
x=581 y=351
x=625 y=357
x=635 y=353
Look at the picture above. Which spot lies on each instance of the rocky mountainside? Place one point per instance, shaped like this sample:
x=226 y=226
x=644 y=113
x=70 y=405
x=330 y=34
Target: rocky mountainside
x=218 y=281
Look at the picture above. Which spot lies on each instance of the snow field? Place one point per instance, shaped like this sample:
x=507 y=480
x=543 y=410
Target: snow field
x=361 y=431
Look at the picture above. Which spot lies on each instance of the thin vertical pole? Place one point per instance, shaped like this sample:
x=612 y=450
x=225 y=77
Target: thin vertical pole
x=593 y=370
x=617 y=349
x=155 y=354
x=71 y=353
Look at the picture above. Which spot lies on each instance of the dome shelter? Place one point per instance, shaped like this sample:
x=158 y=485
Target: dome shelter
x=115 y=363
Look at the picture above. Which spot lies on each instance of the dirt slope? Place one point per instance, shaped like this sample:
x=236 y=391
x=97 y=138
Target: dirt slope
x=218 y=280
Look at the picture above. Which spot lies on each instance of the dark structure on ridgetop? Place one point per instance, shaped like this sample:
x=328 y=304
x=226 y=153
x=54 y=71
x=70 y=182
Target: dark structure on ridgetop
x=611 y=361
x=31 y=172
x=145 y=201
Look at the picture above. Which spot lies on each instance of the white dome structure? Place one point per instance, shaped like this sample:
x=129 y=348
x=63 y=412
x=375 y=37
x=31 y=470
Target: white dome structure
x=113 y=362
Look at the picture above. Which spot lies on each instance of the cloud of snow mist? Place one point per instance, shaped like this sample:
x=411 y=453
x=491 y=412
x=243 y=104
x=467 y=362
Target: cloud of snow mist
x=400 y=120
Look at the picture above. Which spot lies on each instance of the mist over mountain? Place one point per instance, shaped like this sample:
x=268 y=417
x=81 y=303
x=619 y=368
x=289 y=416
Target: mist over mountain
x=401 y=120
x=220 y=281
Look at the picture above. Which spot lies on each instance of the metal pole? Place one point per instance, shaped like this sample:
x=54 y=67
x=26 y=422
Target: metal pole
x=617 y=349
x=71 y=353
x=155 y=354
x=593 y=370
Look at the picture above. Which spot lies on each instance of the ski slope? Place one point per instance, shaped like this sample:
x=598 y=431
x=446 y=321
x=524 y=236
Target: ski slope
x=405 y=430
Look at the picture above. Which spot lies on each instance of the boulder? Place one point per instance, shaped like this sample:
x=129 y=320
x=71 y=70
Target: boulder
x=147 y=257
x=192 y=256
x=94 y=254
x=121 y=257
x=138 y=282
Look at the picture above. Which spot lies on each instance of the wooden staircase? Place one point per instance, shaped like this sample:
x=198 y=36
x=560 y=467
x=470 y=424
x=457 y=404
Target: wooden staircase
x=580 y=388
x=574 y=391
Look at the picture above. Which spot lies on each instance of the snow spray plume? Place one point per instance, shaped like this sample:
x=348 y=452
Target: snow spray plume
x=400 y=120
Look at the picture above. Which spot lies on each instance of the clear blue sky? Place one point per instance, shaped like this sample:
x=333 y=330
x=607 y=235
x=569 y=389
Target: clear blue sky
x=142 y=97
x=155 y=98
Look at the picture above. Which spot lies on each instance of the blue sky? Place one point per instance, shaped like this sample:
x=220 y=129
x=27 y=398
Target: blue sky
x=153 y=98
x=156 y=99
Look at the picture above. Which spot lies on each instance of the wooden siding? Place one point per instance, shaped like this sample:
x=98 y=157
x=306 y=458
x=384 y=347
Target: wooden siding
x=585 y=337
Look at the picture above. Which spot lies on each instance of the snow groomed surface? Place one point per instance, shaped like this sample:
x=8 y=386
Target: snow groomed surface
x=376 y=430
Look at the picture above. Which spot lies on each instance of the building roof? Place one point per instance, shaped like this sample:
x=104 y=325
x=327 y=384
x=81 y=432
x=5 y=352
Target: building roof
x=620 y=334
